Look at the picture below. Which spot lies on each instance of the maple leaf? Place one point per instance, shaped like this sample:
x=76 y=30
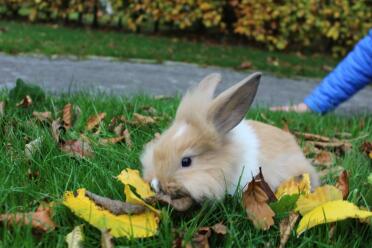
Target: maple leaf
x=94 y=121
x=330 y=212
x=75 y=238
x=258 y=211
x=326 y=193
x=40 y=219
x=294 y=185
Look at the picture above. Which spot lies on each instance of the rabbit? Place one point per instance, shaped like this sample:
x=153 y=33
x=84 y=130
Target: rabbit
x=210 y=149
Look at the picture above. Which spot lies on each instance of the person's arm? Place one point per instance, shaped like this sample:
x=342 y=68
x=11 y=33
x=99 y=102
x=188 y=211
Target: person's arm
x=351 y=74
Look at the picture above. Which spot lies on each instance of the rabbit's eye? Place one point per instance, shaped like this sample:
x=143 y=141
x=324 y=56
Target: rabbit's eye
x=186 y=162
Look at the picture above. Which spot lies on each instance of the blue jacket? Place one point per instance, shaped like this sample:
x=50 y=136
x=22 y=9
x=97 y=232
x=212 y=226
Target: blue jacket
x=351 y=74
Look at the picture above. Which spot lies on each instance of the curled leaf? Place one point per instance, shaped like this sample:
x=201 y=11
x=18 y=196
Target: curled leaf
x=114 y=206
x=295 y=185
x=94 y=121
x=343 y=184
x=75 y=238
x=57 y=129
x=330 y=212
x=260 y=180
x=258 y=211
x=67 y=116
x=131 y=226
x=142 y=119
x=326 y=193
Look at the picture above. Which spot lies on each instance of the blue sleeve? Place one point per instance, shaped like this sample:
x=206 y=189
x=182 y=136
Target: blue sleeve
x=351 y=74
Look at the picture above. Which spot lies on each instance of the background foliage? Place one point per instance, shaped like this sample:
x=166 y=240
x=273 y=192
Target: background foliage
x=316 y=25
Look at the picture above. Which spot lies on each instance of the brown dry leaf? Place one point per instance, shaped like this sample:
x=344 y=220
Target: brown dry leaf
x=106 y=239
x=57 y=129
x=142 y=119
x=367 y=148
x=310 y=149
x=343 y=184
x=43 y=116
x=113 y=140
x=78 y=148
x=331 y=171
x=200 y=238
x=258 y=211
x=219 y=228
x=39 y=220
x=67 y=115
x=116 y=207
x=323 y=158
x=119 y=129
x=128 y=140
x=26 y=102
x=245 y=65
x=313 y=137
x=32 y=174
x=2 y=108
x=259 y=179
x=341 y=146
x=95 y=120
x=286 y=226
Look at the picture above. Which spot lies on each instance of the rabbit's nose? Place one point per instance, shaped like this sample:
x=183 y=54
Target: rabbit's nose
x=155 y=185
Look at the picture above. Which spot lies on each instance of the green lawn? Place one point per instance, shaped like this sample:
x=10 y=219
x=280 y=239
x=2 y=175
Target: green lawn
x=17 y=37
x=59 y=173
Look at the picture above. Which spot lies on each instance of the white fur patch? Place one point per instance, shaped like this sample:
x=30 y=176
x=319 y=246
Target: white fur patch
x=244 y=135
x=181 y=130
x=155 y=185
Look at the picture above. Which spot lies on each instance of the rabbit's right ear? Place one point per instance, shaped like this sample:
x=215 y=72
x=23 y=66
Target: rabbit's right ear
x=229 y=108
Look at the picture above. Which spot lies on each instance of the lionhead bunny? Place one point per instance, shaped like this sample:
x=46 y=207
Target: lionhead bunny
x=210 y=149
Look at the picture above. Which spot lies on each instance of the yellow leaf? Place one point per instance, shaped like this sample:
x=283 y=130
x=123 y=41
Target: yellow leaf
x=330 y=212
x=326 y=193
x=132 y=177
x=75 y=238
x=134 y=226
x=134 y=199
x=294 y=185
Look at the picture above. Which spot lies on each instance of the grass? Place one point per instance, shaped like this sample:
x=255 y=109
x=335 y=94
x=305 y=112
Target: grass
x=59 y=172
x=20 y=37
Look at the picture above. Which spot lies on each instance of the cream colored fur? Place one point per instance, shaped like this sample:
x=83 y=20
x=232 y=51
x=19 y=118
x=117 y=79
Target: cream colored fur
x=223 y=147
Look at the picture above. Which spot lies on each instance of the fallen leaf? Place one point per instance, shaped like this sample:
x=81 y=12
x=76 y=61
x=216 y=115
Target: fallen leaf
x=331 y=171
x=43 y=116
x=113 y=140
x=311 y=136
x=132 y=177
x=286 y=226
x=2 y=108
x=330 y=212
x=284 y=205
x=367 y=148
x=40 y=219
x=32 y=147
x=341 y=146
x=119 y=129
x=127 y=138
x=326 y=193
x=219 y=228
x=32 y=174
x=26 y=102
x=323 y=158
x=142 y=119
x=149 y=109
x=258 y=211
x=106 y=239
x=131 y=226
x=200 y=238
x=95 y=120
x=114 y=206
x=75 y=238
x=343 y=184
x=295 y=185
x=245 y=65
x=310 y=149
x=78 y=148
x=259 y=179
x=57 y=129
x=67 y=115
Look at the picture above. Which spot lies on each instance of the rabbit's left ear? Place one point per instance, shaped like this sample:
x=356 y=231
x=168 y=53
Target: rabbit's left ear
x=208 y=85
x=229 y=108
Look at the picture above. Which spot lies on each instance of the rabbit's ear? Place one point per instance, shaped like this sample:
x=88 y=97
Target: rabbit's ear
x=208 y=85
x=229 y=108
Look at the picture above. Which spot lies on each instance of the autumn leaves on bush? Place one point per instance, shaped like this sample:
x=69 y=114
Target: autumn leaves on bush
x=333 y=25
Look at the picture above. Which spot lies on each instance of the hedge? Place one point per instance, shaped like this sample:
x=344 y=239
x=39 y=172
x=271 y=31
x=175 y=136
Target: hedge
x=317 y=25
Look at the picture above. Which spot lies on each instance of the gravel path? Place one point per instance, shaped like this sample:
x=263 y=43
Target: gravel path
x=126 y=78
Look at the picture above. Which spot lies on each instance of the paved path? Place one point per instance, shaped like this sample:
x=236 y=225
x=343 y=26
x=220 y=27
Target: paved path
x=62 y=74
